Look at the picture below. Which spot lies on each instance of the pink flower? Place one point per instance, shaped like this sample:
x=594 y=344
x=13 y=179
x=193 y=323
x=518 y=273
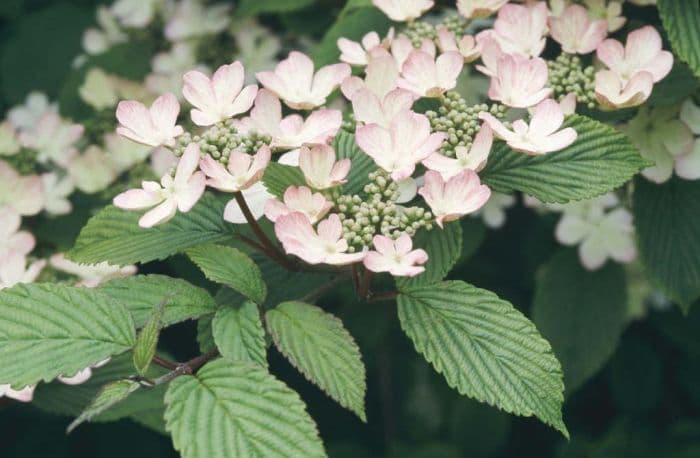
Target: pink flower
x=541 y=136
x=295 y=82
x=323 y=245
x=22 y=194
x=521 y=29
x=631 y=68
x=354 y=53
x=320 y=168
x=490 y=54
x=242 y=171
x=396 y=257
x=400 y=147
x=426 y=76
x=460 y=195
x=152 y=127
x=25 y=394
x=474 y=9
x=519 y=82
x=292 y=131
x=473 y=158
x=575 y=31
x=467 y=46
x=220 y=97
x=403 y=10
x=172 y=194
x=298 y=199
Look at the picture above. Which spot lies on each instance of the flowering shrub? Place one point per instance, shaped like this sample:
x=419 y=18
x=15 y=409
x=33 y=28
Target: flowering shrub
x=274 y=175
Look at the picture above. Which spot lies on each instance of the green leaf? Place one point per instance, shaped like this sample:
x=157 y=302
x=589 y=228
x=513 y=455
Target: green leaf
x=581 y=313
x=600 y=160
x=278 y=177
x=230 y=267
x=239 y=334
x=247 y=412
x=667 y=220
x=681 y=19
x=48 y=330
x=141 y=293
x=147 y=339
x=113 y=235
x=676 y=87
x=317 y=344
x=108 y=396
x=485 y=349
x=253 y=7
x=362 y=165
x=444 y=247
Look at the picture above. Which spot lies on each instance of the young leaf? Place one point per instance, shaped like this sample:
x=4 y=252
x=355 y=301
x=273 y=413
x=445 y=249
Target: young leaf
x=141 y=292
x=444 y=248
x=317 y=344
x=230 y=267
x=667 y=219
x=581 y=313
x=238 y=333
x=147 y=339
x=48 y=330
x=485 y=348
x=247 y=412
x=113 y=235
x=600 y=160
x=108 y=396
x=278 y=177
x=681 y=19
x=362 y=165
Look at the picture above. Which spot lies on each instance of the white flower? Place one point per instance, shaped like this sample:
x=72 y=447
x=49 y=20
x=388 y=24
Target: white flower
x=257 y=47
x=320 y=168
x=426 y=76
x=152 y=127
x=22 y=194
x=354 y=53
x=493 y=213
x=135 y=13
x=98 y=40
x=168 y=68
x=395 y=256
x=473 y=158
x=92 y=170
x=403 y=10
x=241 y=172
x=56 y=193
x=35 y=106
x=451 y=199
x=9 y=144
x=255 y=197
x=192 y=18
x=298 y=199
x=15 y=244
x=53 y=138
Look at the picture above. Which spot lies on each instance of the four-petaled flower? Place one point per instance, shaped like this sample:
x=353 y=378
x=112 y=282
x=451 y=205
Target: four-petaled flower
x=576 y=32
x=451 y=199
x=354 y=53
x=473 y=158
x=298 y=199
x=320 y=168
x=152 y=127
x=426 y=76
x=395 y=256
x=241 y=172
x=519 y=82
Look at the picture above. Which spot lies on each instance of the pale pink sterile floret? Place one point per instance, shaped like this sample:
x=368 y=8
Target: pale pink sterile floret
x=576 y=32
x=403 y=10
x=154 y=126
x=219 y=98
x=474 y=9
x=426 y=76
x=490 y=53
x=325 y=244
x=14 y=243
x=291 y=131
x=400 y=147
x=451 y=199
x=467 y=45
x=295 y=82
x=320 y=168
x=613 y=92
x=241 y=172
x=25 y=394
x=298 y=199
x=402 y=47
x=371 y=46
x=541 y=136
x=473 y=158
x=170 y=195
x=23 y=194
x=521 y=29
x=519 y=82
x=395 y=256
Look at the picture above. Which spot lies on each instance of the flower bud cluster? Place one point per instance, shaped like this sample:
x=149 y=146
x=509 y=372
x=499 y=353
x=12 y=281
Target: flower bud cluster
x=459 y=120
x=417 y=31
x=567 y=75
x=455 y=23
x=376 y=212
x=220 y=140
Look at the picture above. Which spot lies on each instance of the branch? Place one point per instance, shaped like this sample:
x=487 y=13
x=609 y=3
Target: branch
x=188 y=368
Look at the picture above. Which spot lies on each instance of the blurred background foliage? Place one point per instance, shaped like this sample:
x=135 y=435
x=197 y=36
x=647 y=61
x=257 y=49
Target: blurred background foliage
x=632 y=371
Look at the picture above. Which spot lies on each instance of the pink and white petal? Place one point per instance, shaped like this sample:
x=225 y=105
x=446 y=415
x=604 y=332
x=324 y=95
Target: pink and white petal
x=449 y=65
x=431 y=145
x=243 y=101
x=219 y=177
x=328 y=78
x=384 y=245
x=382 y=75
x=497 y=126
x=136 y=199
x=133 y=115
x=611 y=53
x=164 y=112
x=642 y=47
x=330 y=229
x=80 y=377
x=273 y=83
x=596 y=33
x=592 y=253
x=571 y=229
x=558 y=141
x=298 y=69
x=446 y=166
x=376 y=262
x=446 y=40
x=274 y=209
x=27 y=196
x=403 y=244
x=344 y=259
x=321 y=126
x=188 y=196
x=374 y=140
x=351 y=52
x=204 y=118
x=160 y=214
x=227 y=83
x=688 y=165
x=407 y=190
x=548 y=117
x=267 y=112
x=351 y=85
x=367 y=107
x=188 y=163
x=198 y=90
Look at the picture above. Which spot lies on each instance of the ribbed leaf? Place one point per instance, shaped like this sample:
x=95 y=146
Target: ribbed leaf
x=581 y=313
x=147 y=339
x=238 y=409
x=667 y=219
x=317 y=344
x=141 y=293
x=113 y=235
x=238 y=333
x=444 y=248
x=485 y=349
x=600 y=160
x=48 y=330
x=681 y=19
x=107 y=397
x=230 y=267
x=362 y=165
x=278 y=177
